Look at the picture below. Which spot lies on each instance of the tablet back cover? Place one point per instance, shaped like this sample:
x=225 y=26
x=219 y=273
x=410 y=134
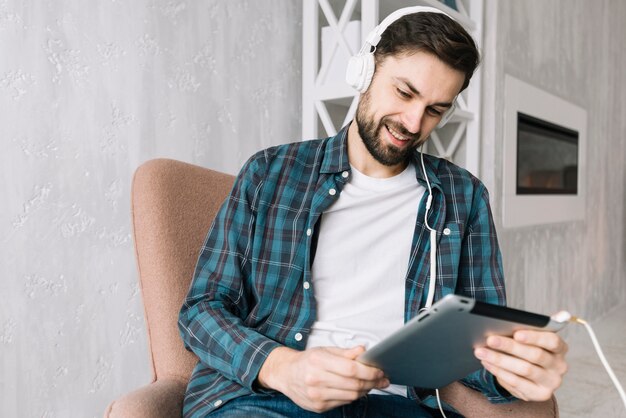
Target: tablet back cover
x=437 y=347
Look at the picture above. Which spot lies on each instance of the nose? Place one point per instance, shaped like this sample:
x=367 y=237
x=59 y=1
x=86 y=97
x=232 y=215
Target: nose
x=412 y=118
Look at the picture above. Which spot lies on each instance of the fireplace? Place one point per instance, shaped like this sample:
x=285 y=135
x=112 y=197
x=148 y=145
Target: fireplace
x=544 y=157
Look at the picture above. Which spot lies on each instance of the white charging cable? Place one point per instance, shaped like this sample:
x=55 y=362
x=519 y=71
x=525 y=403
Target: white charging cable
x=603 y=359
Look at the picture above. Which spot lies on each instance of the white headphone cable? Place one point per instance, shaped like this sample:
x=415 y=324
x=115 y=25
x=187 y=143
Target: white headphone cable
x=433 y=256
x=433 y=237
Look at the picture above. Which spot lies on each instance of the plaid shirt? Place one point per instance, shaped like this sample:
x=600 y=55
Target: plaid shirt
x=248 y=294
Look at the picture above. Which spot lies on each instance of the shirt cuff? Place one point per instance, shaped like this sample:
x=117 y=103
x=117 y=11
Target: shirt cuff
x=250 y=360
x=485 y=382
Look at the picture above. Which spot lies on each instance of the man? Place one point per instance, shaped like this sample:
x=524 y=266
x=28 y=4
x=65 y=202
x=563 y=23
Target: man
x=321 y=250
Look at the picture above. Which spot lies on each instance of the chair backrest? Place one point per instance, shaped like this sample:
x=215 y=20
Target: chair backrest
x=173 y=206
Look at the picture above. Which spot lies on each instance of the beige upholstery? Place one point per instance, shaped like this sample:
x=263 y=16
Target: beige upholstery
x=173 y=205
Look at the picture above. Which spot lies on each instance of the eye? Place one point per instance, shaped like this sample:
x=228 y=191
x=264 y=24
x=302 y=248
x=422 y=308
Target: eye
x=403 y=93
x=434 y=112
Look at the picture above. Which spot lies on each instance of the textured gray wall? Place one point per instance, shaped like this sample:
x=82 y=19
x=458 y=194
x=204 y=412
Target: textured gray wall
x=88 y=91
x=575 y=49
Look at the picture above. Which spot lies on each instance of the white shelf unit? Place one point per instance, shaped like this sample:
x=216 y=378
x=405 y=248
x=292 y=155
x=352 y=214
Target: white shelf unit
x=329 y=38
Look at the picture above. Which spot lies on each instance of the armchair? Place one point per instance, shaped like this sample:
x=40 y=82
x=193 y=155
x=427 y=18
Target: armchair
x=173 y=205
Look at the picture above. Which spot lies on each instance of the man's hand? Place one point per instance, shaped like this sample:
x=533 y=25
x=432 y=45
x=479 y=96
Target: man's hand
x=530 y=365
x=320 y=378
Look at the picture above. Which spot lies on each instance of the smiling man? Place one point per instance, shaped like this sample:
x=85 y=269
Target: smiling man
x=405 y=102
x=322 y=250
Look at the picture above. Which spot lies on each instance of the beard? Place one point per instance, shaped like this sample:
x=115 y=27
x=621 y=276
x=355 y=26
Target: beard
x=370 y=133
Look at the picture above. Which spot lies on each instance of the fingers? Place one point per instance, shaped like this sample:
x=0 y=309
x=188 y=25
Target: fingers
x=332 y=380
x=519 y=367
x=325 y=390
x=349 y=353
x=321 y=400
x=324 y=377
x=549 y=341
x=518 y=386
x=544 y=349
x=340 y=361
x=533 y=354
x=530 y=365
x=336 y=395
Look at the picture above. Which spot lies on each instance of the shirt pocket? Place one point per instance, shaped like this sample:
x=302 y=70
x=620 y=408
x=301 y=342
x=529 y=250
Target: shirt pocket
x=448 y=256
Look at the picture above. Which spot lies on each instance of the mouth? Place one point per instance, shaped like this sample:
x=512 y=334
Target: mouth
x=396 y=137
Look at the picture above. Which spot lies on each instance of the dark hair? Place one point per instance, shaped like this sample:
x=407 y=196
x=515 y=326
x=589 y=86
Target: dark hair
x=435 y=33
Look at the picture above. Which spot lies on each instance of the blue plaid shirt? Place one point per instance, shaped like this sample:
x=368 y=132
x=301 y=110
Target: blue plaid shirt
x=248 y=295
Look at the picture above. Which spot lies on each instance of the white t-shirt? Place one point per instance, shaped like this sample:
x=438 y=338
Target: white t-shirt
x=360 y=266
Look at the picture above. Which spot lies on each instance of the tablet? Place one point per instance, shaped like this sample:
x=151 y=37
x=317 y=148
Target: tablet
x=437 y=347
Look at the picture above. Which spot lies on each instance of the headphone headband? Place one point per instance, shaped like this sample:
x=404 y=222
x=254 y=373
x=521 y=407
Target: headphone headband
x=374 y=36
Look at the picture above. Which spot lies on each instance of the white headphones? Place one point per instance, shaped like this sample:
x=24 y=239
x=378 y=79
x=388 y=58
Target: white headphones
x=359 y=75
x=361 y=66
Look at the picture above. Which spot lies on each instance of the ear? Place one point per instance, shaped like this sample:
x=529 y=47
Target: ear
x=447 y=115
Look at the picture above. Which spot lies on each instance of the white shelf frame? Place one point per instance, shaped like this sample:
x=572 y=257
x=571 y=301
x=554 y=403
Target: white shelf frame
x=316 y=95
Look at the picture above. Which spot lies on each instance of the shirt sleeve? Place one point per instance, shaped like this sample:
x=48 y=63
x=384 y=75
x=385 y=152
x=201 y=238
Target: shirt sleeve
x=212 y=318
x=481 y=277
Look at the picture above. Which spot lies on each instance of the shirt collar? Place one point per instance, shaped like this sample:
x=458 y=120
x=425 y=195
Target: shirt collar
x=336 y=153
x=336 y=159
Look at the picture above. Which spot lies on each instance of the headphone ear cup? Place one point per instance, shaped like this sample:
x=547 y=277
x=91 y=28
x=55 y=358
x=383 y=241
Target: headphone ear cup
x=447 y=115
x=354 y=71
x=370 y=66
x=360 y=71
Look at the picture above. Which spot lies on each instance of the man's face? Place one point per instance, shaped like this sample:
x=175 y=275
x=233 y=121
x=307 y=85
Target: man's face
x=405 y=102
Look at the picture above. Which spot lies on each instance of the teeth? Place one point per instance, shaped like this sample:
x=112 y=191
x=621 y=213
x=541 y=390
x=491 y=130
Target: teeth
x=397 y=135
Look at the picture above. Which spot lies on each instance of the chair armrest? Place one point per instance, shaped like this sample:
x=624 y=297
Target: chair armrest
x=161 y=399
x=472 y=404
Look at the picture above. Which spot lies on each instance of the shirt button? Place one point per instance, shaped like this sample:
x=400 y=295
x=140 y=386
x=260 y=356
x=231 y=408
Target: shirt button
x=306 y=285
x=332 y=192
x=309 y=232
x=298 y=337
x=217 y=403
x=446 y=231
x=345 y=174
